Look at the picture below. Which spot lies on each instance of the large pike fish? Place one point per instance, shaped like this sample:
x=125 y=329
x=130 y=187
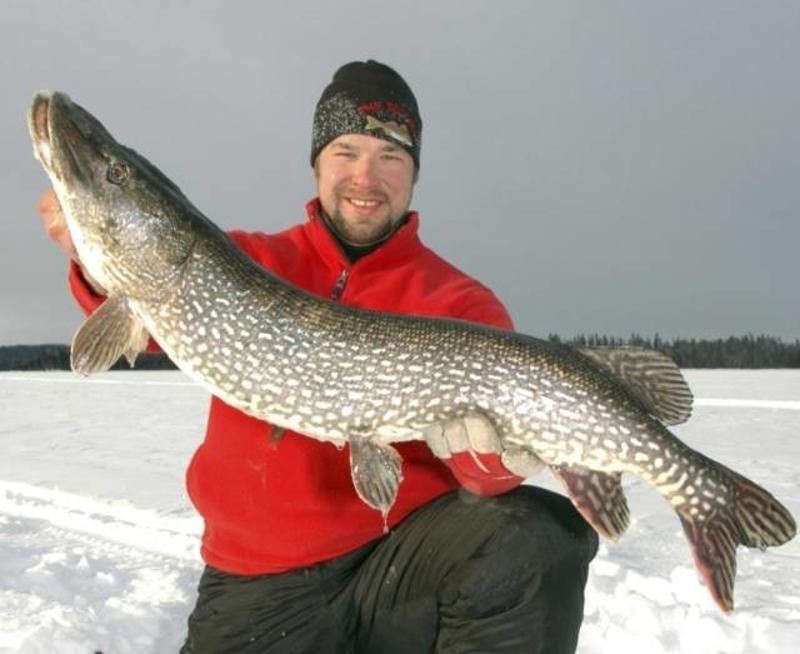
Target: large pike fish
x=369 y=379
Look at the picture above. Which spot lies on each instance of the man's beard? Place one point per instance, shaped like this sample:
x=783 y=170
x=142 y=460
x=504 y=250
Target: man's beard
x=339 y=224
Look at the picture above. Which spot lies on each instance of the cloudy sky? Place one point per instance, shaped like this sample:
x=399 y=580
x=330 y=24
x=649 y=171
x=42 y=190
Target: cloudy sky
x=610 y=167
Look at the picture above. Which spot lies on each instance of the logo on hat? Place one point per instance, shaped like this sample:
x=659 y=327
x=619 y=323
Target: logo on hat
x=392 y=129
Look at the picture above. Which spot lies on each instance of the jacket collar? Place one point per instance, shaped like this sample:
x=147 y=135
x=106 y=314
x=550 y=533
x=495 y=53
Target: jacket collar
x=400 y=245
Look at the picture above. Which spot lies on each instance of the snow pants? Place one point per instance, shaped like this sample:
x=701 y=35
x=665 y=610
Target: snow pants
x=461 y=574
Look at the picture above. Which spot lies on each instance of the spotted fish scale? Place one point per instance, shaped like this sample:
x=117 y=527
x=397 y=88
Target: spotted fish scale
x=369 y=379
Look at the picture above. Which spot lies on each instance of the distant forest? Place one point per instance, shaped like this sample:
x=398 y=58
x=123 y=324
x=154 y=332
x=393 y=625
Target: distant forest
x=734 y=352
x=56 y=357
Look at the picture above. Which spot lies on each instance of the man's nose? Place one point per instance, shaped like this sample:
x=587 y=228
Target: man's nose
x=364 y=173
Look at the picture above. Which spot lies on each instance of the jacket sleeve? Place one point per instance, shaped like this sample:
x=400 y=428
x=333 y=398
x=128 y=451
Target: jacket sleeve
x=86 y=297
x=483 y=474
x=483 y=307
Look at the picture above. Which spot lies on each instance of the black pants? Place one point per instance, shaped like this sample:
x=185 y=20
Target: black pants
x=461 y=574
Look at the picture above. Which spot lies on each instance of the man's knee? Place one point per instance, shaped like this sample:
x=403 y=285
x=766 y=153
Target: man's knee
x=538 y=521
x=535 y=532
x=558 y=511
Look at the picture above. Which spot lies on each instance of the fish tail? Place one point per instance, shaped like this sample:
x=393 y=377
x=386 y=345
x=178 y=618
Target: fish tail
x=765 y=522
x=754 y=519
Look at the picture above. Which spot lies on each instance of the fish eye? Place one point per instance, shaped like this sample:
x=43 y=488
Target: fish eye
x=118 y=172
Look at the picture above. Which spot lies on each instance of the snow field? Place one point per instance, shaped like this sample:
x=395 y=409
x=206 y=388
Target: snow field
x=99 y=545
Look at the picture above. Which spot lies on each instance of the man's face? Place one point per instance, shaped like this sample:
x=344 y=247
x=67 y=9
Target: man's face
x=364 y=185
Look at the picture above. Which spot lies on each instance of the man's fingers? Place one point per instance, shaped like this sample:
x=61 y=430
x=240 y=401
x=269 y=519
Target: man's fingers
x=48 y=203
x=434 y=437
x=482 y=435
x=55 y=223
x=522 y=462
x=59 y=232
x=472 y=433
x=455 y=433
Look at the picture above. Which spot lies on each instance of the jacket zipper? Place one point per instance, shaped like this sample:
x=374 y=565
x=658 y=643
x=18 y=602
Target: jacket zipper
x=338 y=288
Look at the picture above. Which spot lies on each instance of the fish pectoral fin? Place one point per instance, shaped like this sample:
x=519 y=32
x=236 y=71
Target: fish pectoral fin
x=651 y=376
x=138 y=342
x=598 y=497
x=376 y=470
x=111 y=331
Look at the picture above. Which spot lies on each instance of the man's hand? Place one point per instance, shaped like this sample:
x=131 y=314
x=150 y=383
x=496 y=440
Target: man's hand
x=472 y=433
x=472 y=449
x=55 y=225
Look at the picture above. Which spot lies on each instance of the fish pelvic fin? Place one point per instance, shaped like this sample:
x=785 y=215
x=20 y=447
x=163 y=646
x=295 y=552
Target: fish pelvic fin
x=756 y=519
x=376 y=470
x=598 y=497
x=111 y=331
x=651 y=376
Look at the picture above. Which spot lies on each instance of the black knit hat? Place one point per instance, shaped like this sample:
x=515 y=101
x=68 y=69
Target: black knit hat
x=368 y=98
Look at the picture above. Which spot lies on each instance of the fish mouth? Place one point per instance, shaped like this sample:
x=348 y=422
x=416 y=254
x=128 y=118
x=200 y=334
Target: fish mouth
x=40 y=118
x=60 y=141
x=39 y=127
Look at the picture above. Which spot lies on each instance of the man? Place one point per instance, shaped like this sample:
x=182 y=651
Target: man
x=296 y=562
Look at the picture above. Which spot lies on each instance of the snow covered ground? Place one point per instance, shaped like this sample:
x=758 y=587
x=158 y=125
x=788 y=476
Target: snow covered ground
x=98 y=542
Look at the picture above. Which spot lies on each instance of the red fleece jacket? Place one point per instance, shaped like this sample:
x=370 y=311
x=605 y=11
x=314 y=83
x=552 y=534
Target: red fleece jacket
x=271 y=506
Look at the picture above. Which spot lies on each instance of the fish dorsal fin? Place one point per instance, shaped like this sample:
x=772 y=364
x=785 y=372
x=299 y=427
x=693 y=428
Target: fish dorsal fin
x=651 y=376
x=111 y=331
x=598 y=497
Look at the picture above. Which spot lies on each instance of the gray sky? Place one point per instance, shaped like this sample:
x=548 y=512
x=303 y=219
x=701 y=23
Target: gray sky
x=608 y=167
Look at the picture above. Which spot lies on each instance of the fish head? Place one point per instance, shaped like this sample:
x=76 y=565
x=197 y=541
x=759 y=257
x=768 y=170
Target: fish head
x=132 y=227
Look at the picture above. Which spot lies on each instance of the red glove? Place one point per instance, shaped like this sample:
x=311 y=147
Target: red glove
x=482 y=474
x=471 y=448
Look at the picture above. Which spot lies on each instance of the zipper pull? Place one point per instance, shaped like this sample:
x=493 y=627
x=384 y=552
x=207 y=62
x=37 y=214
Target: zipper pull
x=338 y=289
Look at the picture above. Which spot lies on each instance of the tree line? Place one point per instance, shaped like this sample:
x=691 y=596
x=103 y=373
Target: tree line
x=56 y=357
x=747 y=351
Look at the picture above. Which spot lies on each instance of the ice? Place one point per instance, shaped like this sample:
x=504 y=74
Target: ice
x=99 y=544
